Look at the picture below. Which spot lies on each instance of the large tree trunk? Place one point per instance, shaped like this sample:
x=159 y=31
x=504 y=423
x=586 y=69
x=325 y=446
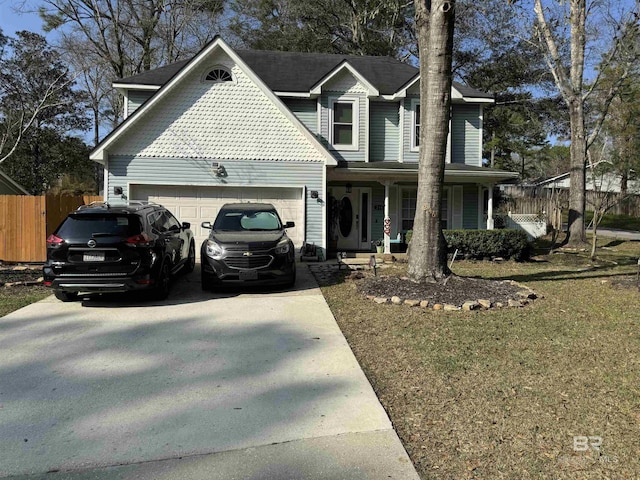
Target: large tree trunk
x=576 y=234
x=428 y=251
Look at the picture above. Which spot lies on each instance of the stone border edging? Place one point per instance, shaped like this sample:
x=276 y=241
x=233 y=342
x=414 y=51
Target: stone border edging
x=523 y=297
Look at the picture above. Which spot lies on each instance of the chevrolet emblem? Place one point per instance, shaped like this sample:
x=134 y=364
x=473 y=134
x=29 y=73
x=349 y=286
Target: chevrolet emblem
x=247 y=254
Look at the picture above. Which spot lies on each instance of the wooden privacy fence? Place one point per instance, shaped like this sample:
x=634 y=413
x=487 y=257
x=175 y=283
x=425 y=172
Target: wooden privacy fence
x=538 y=200
x=25 y=223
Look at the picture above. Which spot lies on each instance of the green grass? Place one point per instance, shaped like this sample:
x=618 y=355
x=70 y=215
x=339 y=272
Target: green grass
x=14 y=298
x=610 y=220
x=502 y=393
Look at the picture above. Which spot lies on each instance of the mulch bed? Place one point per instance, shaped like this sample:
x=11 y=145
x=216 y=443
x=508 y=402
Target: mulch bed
x=10 y=275
x=455 y=291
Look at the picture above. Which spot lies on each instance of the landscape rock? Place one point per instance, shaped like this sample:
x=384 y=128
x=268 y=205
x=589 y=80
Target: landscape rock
x=437 y=306
x=450 y=308
x=396 y=300
x=484 y=303
x=499 y=305
x=470 y=305
x=514 y=303
x=381 y=300
x=527 y=294
x=20 y=268
x=370 y=297
x=413 y=303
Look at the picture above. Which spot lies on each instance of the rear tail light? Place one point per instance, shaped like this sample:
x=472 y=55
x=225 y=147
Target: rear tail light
x=142 y=240
x=54 y=240
x=47 y=283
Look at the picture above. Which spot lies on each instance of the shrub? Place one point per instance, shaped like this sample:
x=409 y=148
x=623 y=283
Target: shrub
x=487 y=243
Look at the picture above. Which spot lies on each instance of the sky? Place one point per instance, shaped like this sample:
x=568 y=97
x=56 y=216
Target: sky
x=11 y=22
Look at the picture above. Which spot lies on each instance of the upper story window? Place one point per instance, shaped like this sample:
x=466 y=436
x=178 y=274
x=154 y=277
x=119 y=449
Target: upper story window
x=219 y=75
x=415 y=127
x=343 y=124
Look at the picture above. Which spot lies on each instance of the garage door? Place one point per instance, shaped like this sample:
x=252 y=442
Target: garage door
x=201 y=204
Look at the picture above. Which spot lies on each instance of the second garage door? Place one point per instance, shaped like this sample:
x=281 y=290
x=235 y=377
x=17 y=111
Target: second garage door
x=201 y=204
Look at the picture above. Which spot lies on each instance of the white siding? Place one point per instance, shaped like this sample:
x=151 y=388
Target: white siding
x=230 y=120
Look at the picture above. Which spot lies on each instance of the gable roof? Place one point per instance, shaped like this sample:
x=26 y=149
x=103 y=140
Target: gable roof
x=98 y=154
x=10 y=185
x=300 y=72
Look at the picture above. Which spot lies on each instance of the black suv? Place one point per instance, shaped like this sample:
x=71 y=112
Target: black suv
x=248 y=244
x=119 y=248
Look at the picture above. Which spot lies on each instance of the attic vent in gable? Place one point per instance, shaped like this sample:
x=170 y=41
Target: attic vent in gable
x=219 y=75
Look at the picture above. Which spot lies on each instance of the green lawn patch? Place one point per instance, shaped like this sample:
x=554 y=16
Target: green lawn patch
x=14 y=298
x=610 y=220
x=502 y=393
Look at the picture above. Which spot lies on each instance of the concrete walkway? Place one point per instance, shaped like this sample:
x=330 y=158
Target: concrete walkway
x=200 y=386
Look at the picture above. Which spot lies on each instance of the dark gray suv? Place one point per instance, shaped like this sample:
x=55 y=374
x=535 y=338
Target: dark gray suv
x=117 y=248
x=248 y=244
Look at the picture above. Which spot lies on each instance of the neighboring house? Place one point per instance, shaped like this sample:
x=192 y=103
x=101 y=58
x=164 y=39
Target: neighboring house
x=297 y=130
x=602 y=182
x=10 y=187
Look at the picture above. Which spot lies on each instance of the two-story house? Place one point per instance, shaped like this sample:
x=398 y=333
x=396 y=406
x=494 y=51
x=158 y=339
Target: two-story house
x=302 y=131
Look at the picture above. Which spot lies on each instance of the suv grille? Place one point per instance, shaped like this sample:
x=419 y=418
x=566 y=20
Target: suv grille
x=253 y=262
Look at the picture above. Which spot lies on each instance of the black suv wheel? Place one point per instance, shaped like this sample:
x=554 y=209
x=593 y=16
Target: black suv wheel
x=117 y=248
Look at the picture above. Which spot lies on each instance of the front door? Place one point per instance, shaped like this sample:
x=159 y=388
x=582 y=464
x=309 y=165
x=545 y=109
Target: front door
x=354 y=225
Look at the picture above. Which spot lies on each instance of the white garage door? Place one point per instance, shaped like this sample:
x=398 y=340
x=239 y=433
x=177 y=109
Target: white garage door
x=201 y=204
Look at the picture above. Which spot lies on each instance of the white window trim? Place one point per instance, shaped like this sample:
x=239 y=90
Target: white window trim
x=414 y=103
x=356 y=124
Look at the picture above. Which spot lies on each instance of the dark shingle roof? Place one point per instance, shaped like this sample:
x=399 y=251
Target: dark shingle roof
x=300 y=72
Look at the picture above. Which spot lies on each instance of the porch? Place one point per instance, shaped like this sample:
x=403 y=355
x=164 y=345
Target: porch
x=375 y=202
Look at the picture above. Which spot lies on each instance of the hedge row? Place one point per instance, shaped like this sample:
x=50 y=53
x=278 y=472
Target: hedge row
x=481 y=244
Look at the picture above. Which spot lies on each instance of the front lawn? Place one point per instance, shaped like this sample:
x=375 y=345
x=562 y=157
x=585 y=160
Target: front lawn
x=13 y=298
x=506 y=393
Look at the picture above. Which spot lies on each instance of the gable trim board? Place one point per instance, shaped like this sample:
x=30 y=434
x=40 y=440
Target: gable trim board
x=371 y=90
x=101 y=151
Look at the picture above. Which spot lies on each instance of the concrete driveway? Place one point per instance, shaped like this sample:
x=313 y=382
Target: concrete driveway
x=258 y=385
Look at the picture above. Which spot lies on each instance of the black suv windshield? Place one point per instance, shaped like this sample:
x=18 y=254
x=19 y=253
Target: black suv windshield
x=245 y=220
x=87 y=226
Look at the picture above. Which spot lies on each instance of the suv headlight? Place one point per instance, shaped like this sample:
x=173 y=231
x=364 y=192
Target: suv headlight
x=283 y=247
x=214 y=250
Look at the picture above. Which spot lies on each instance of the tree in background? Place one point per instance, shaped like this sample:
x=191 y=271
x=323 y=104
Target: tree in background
x=427 y=253
x=38 y=108
x=49 y=161
x=111 y=39
x=564 y=31
x=359 y=27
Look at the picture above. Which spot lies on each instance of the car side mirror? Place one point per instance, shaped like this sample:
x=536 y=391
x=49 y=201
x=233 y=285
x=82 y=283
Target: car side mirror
x=186 y=225
x=206 y=225
x=289 y=224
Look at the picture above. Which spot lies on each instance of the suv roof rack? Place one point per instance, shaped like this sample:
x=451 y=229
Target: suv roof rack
x=143 y=203
x=94 y=204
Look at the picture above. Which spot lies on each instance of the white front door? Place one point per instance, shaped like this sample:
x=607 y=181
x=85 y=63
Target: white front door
x=354 y=225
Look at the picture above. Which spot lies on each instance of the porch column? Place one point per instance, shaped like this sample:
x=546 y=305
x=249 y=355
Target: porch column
x=490 y=208
x=387 y=219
